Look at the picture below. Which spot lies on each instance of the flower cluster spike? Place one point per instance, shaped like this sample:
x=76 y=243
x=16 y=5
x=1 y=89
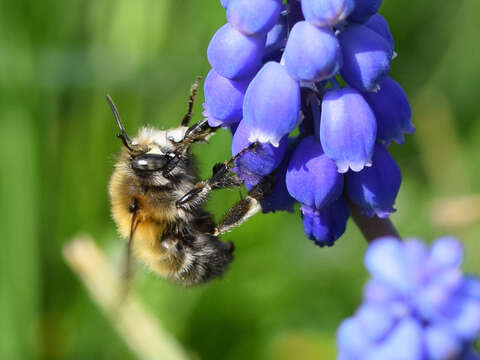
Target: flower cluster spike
x=418 y=305
x=276 y=66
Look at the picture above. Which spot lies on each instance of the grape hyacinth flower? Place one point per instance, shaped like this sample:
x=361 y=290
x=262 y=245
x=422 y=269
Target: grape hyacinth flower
x=418 y=305
x=376 y=187
x=346 y=112
x=277 y=66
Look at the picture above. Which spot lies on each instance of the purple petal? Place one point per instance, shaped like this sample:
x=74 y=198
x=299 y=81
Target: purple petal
x=434 y=299
x=253 y=17
x=377 y=291
x=366 y=57
x=378 y=24
x=446 y=252
x=471 y=287
x=272 y=104
x=364 y=9
x=441 y=343
x=260 y=161
x=376 y=321
x=465 y=318
x=224 y=3
x=326 y=225
x=385 y=260
x=348 y=129
x=392 y=111
x=224 y=97
x=351 y=339
x=327 y=12
x=312 y=54
x=405 y=342
x=375 y=188
x=235 y=55
x=312 y=177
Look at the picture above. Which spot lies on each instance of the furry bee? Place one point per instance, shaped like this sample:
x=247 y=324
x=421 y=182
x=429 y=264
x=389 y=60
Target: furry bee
x=158 y=201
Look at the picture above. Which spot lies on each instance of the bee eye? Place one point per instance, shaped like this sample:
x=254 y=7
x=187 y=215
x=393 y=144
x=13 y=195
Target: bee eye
x=149 y=162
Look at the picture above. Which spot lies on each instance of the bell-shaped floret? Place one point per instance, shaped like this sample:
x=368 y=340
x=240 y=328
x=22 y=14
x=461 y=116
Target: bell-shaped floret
x=364 y=9
x=405 y=341
x=224 y=98
x=327 y=12
x=392 y=111
x=375 y=188
x=378 y=24
x=272 y=104
x=312 y=53
x=347 y=129
x=312 y=178
x=235 y=55
x=253 y=17
x=366 y=57
x=259 y=161
x=326 y=225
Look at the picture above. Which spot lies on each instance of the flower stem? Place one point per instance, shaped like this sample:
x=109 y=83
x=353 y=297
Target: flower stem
x=140 y=330
x=373 y=227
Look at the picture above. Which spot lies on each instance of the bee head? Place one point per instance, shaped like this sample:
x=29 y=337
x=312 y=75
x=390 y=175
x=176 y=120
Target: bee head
x=143 y=158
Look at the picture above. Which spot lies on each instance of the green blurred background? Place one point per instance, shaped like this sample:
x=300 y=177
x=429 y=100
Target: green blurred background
x=283 y=298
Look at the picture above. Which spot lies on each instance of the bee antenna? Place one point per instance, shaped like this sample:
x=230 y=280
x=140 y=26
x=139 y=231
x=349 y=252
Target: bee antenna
x=123 y=136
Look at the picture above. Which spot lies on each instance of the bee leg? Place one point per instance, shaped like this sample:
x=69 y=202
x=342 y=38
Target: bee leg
x=246 y=207
x=199 y=132
x=191 y=100
x=222 y=178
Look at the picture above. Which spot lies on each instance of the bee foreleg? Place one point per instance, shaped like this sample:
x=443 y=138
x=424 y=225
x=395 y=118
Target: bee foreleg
x=222 y=178
x=198 y=132
x=246 y=207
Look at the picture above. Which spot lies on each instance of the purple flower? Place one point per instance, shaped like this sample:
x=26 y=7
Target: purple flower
x=224 y=98
x=272 y=104
x=327 y=12
x=253 y=165
x=366 y=57
x=326 y=225
x=272 y=63
x=392 y=111
x=253 y=17
x=364 y=9
x=235 y=55
x=378 y=24
x=375 y=188
x=393 y=324
x=312 y=54
x=347 y=129
x=312 y=178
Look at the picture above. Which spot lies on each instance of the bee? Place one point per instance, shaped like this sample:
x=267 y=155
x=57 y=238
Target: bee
x=157 y=201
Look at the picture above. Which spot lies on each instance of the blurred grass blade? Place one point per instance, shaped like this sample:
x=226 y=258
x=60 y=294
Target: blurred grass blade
x=139 y=329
